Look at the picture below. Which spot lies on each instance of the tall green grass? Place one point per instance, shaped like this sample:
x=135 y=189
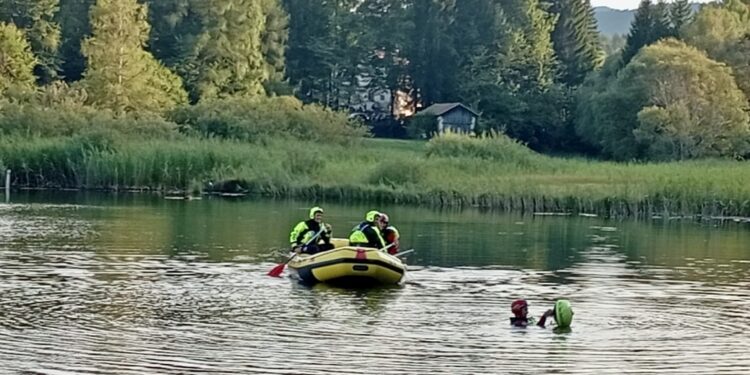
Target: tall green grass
x=447 y=171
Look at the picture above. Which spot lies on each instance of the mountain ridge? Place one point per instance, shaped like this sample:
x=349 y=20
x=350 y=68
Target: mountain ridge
x=617 y=21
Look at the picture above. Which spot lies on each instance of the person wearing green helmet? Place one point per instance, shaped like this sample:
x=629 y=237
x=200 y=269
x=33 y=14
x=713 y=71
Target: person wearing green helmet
x=369 y=232
x=562 y=313
x=304 y=231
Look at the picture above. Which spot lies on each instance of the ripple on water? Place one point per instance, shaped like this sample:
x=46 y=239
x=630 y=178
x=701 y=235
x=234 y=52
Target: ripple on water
x=76 y=309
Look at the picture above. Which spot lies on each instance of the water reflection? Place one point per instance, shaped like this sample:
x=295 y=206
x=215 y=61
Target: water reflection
x=137 y=284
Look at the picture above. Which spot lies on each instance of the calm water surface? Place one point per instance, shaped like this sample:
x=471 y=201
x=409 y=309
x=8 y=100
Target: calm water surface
x=135 y=284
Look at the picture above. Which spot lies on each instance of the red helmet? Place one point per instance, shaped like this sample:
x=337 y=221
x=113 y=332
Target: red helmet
x=517 y=308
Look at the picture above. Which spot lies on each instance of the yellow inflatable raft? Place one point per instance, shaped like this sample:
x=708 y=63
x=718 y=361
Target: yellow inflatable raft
x=348 y=266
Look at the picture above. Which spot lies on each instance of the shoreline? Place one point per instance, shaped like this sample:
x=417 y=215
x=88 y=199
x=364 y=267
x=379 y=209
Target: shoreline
x=614 y=209
x=450 y=172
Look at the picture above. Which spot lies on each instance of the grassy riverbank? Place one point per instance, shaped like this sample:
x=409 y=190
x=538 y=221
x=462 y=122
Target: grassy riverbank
x=449 y=171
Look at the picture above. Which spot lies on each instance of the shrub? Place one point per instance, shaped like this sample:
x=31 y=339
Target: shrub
x=490 y=146
x=33 y=121
x=258 y=119
x=421 y=126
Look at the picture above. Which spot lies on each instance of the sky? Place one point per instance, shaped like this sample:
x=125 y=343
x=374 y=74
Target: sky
x=626 y=4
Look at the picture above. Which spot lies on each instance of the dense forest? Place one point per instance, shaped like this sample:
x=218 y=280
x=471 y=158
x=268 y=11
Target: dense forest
x=676 y=88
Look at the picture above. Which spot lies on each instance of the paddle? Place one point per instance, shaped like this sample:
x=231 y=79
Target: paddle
x=387 y=247
x=403 y=252
x=279 y=268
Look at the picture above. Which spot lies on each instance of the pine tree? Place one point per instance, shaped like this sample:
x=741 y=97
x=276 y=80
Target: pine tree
x=576 y=40
x=121 y=75
x=641 y=31
x=274 y=39
x=16 y=59
x=530 y=54
x=175 y=27
x=662 y=27
x=434 y=61
x=227 y=55
x=36 y=17
x=680 y=14
x=309 y=49
x=73 y=18
x=476 y=26
x=386 y=35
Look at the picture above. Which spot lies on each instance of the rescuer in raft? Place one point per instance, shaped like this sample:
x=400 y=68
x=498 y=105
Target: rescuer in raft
x=369 y=232
x=304 y=232
x=390 y=234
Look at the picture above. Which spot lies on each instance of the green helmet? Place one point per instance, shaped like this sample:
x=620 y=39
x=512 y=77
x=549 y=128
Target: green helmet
x=372 y=216
x=563 y=313
x=314 y=211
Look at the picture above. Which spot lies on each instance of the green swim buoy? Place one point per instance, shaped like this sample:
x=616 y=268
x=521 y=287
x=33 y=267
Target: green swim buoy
x=563 y=313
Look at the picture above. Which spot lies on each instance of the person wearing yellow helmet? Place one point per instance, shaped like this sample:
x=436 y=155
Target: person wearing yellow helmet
x=304 y=231
x=369 y=232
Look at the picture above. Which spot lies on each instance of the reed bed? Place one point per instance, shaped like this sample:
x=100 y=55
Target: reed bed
x=452 y=170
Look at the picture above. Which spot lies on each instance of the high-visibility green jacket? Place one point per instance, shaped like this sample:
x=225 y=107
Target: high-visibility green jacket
x=305 y=230
x=366 y=234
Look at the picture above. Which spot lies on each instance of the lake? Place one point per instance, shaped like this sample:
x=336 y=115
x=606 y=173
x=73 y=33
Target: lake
x=135 y=284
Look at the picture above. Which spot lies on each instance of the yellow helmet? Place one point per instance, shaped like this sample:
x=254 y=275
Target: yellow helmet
x=314 y=211
x=372 y=216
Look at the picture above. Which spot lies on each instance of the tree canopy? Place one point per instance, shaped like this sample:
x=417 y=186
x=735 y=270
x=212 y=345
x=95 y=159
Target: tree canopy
x=537 y=70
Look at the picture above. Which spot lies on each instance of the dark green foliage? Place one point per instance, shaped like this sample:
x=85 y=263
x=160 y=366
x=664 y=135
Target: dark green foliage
x=37 y=19
x=576 y=40
x=323 y=49
x=421 y=126
x=175 y=28
x=308 y=29
x=653 y=22
x=73 y=18
x=433 y=53
x=670 y=103
x=641 y=32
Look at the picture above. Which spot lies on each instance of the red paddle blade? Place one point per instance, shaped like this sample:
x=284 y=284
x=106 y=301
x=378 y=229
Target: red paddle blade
x=276 y=271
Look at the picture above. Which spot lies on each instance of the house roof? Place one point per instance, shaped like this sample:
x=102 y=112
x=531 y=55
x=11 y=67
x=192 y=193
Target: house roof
x=439 y=109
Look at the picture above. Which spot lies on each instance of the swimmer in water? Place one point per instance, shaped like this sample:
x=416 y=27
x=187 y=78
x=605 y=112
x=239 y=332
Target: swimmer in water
x=520 y=310
x=562 y=312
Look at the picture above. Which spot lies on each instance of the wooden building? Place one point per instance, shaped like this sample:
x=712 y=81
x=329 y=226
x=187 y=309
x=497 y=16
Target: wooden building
x=454 y=117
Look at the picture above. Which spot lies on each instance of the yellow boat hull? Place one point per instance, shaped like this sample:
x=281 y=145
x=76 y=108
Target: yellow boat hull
x=349 y=265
